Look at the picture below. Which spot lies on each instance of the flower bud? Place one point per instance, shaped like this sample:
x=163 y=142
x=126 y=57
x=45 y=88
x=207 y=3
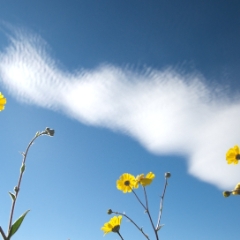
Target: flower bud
x=167 y=175
x=49 y=131
x=109 y=211
x=226 y=193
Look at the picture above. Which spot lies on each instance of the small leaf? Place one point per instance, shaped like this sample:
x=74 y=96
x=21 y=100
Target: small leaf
x=12 y=196
x=17 y=224
x=160 y=226
x=22 y=168
x=23 y=154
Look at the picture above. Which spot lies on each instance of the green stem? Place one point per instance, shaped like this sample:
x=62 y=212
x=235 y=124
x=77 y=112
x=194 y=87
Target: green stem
x=148 y=213
x=17 y=189
x=139 y=200
x=120 y=235
x=161 y=205
x=140 y=229
x=3 y=234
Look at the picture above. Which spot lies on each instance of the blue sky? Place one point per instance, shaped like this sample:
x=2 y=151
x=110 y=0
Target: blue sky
x=128 y=86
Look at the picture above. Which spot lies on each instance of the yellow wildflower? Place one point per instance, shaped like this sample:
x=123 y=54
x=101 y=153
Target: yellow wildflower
x=236 y=190
x=3 y=101
x=113 y=225
x=144 y=181
x=126 y=183
x=233 y=155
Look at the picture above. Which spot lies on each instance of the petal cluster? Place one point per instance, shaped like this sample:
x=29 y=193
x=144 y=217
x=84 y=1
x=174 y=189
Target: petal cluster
x=126 y=183
x=113 y=225
x=3 y=101
x=233 y=155
x=145 y=180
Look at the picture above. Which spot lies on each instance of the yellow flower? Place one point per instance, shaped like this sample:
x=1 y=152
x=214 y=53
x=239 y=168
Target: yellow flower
x=236 y=190
x=126 y=183
x=144 y=181
x=113 y=225
x=3 y=101
x=233 y=155
x=237 y=186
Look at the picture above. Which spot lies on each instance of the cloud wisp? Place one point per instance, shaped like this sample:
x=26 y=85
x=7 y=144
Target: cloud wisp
x=166 y=111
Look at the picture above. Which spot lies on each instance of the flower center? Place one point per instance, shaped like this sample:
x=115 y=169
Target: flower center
x=238 y=156
x=127 y=183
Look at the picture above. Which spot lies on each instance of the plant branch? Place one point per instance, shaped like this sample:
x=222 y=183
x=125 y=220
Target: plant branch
x=120 y=235
x=139 y=200
x=148 y=213
x=3 y=234
x=140 y=229
x=161 y=205
x=47 y=131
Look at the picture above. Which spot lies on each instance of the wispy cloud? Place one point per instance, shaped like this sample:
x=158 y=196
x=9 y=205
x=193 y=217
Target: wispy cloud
x=166 y=111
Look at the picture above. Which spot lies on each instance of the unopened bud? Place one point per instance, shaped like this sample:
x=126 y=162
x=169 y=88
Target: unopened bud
x=167 y=175
x=16 y=189
x=49 y=131
x=109 y=211
x=226 y=193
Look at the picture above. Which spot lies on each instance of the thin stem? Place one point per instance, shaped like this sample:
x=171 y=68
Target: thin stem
x=140 y=229
x=148 y=213
x=17 y=189
x=3 y=234
x=139 y=200
x=146 y=199
x=161 y=205
x=120 y=235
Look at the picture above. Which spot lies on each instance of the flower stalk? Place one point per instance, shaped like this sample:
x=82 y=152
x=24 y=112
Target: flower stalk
x=14 y=196
x=140 y=229
x=120 y=235
x=139 y=200
x=148 y=213
x=3 y=234
x=167 y=175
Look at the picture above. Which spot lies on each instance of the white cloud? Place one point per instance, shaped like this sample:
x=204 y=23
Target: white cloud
x=167 y=112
